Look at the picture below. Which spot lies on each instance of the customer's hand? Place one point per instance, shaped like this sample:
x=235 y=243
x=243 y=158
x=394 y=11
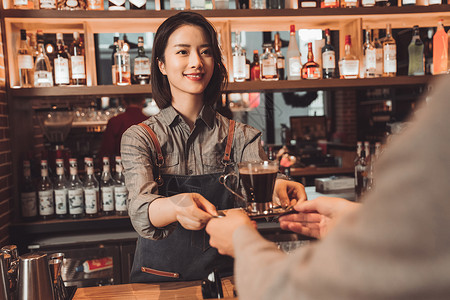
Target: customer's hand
x=221 y=230
x=316 y=217
x=192 y=210
x=288 y=192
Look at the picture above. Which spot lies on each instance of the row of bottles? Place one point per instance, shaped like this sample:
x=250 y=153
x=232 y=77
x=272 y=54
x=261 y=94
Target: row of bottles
x=210 y=4
x=364 y=167
x=70 y=197
x=121 y=68
x=379 y=58
x=37 y=70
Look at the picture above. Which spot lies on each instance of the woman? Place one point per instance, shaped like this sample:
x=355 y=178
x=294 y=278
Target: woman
x=173 y=160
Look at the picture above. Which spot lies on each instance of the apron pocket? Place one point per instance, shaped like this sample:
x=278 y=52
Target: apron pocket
x=160 y=273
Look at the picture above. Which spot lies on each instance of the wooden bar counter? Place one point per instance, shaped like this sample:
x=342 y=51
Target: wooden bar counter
x=167 y=290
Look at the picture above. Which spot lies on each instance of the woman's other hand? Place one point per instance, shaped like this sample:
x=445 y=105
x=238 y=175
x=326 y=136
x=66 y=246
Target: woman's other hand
x=288 y=193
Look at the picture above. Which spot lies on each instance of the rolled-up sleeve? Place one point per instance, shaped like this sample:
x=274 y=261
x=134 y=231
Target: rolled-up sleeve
x=137 y=159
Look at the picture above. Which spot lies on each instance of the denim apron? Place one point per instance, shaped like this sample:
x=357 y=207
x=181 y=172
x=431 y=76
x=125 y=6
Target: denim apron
x=184 y=254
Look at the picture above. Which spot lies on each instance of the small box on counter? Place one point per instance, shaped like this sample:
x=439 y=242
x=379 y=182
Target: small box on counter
x=334 y=183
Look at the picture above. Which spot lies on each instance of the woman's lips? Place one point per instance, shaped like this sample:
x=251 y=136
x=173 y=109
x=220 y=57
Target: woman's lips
x=194 y=77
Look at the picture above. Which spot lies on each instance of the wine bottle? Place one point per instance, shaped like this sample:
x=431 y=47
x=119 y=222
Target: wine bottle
x=328 y=57
x=415 y=52
x=141 y=64
x=120 y=189
x=77 y=62
x=61 y=62
x=293 y=57
x=389 y=54
x=107 y=189
x=75 y=192
x=90 y=190
x=45 y=194
x=61 y=191
x=28 y=199
x=42 y=69
x=25 y=61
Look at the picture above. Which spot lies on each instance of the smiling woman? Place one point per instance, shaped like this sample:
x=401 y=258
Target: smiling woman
x=173 y=161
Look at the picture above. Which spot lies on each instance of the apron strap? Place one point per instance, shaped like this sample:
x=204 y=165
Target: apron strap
x=226 y=156
x=159 y=156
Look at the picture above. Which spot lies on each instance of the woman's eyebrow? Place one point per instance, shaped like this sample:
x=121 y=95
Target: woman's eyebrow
x=187 y=45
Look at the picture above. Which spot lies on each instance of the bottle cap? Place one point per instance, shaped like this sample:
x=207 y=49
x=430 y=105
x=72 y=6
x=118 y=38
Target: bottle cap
x=255 y=51
x=348 y=39
x=292 y=28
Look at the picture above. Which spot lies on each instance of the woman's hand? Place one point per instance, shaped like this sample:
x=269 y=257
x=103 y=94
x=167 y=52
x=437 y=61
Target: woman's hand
x=316 y=217
x=221 y=230
x=288 y=192
x=192 y=210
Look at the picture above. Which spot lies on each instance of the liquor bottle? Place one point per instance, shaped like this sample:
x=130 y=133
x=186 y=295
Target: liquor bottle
x=408 y=2
x=95 y=5
x=238 y=59
x=61 y=62
x=370 y=57
x=308 y=3
x=254 y=67
x=76 y=197
x=42 y=68
x=311 y=69
x=243 y=4
x=23 y=4
x=280 y=57
x=120 y=189
x=25 y=61
x=77 y=60
x=141 y=64
x=113 y=64
x=440 y=49
x=47 y=4
x=61 y=191
x=33 y=49
x=358 y=152
x=293 y=57
x=434 y=2
x=368 y=3
x=382 y=3
x=268 y=64
x=258 y=4
x=428 y=51
x=389 y=54
x=178 y=4
x=28 y=199
x=329 y=3
x=361 y=176
x=349 y=64
x=197 y=4
x=349 y=3
x=247 y=67
x=138 y=4
x=116 y=5
x=107 y=189
x=379 y=54
x=45 y=194
x=71 y=4
x=90 y=190
x=328 y=57
x=415 y=52
x=122 y=63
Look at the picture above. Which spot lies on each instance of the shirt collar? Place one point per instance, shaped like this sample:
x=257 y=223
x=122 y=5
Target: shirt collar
x=207 y=114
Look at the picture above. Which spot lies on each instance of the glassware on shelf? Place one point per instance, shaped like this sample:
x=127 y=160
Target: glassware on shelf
x=116 y=5
x=238 y=59
x=258 y=4
x=389 y=54
x=328 y=57
x=369 y=57
x=138 y=4
x=268 y=64
x=77 y=61
x=440 y=50
x=42 y=69
x=25 y=61
x=311 y=69
x=349 y=64
x=293 y=57
x=415 y=53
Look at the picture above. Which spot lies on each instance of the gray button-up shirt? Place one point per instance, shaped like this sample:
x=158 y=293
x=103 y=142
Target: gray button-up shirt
x=185 y=152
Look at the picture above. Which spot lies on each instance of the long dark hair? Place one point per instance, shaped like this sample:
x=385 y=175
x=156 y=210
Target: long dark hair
x=160 y=84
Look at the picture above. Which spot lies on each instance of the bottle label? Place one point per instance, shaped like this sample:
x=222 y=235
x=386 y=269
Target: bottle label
x=239 y=67
x=351 y=2
x=390 y=58
x=329 y=60
x=312 y=73
x=177 y=4
x=409 y=2
x=90 y=198
x=138 y=3
x=95 y=4
x=308 y=4
x=121 y=196
x=141 y=66
x=43 y=78
x=61 y=70
x=28 y=203
x=295 y=66
x=61 y=201
x=108 y=198
x=280 y=63
x=72 y=3
x=269 y=67
x=78 y=71
x=76 y=201
x=433 y=2
x=46 y=203
x=349 y=67
x=20 y=3
x=198 y=4
x=371 y=59
x=368 y=2
x=25 y=61
x=48 y=4
x=329 y=3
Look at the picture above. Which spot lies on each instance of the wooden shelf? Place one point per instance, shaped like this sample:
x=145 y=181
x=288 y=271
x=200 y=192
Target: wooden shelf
x=237 y=87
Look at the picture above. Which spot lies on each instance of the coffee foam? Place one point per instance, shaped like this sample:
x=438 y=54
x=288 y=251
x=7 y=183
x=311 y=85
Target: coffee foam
x=251 y=171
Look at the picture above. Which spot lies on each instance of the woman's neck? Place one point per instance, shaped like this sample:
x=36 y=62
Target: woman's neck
x=189 y=108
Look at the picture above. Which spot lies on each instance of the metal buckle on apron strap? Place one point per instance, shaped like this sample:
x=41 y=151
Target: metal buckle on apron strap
x=160 y=273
